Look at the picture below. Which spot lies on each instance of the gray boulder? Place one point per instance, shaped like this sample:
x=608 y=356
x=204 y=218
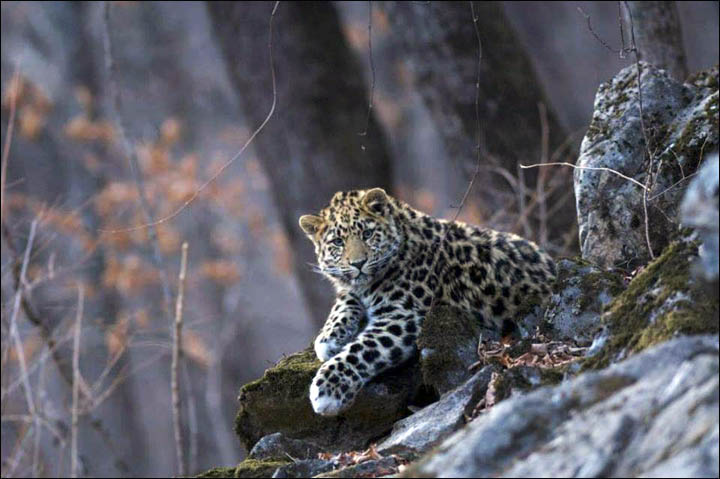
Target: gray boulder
x=281 y=447
x=654 y=414
x=372 y=468
x=579 y=296
x=418 y=433
x=680 y=124
x=700 y=211
x=304 y=468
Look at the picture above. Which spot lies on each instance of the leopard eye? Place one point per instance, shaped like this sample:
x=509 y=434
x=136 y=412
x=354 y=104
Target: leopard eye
x=367 y=234
x=337 y=242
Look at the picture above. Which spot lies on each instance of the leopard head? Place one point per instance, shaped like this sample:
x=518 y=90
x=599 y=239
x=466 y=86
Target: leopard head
x=356 y=237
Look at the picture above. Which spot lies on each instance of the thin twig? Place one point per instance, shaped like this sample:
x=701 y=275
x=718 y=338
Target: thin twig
x=597 y=37
x=132 y=156
x=40 y=399
x=10 y=388
x=125 y=373
x=26 y=418
x=592 y=168
x=649 y=180
x=176 y=352
x=18 y=451
x=477 y=117
x=13 y=322
x=76 y=382
x=192 y=421
x=46 y=333
x=372 y=70
x=542 y=175
x=15 y=89
x=521 y=203
x=535 y=201
x=19 y=348
x=684 y=178
x=232 y=160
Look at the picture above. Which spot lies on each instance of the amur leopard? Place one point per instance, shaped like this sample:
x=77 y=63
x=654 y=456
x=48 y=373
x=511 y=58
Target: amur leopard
x=389 y=263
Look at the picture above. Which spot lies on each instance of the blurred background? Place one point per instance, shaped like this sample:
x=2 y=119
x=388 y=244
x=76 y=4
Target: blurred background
x=179 y=88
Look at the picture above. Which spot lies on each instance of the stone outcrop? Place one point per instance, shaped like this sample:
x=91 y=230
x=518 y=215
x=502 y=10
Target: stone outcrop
x=700 y=211
x=680 y=124
x=654 y=414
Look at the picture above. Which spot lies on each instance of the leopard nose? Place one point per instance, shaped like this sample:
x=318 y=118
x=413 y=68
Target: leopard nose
x=359 y=264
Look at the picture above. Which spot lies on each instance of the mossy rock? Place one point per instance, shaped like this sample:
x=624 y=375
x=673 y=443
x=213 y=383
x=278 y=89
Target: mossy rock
x=662 y=301
x=218 y=472
x=580 y=294
x=247 y=468
x=448 y=346
x=680 y=125
x=254 y=468
x=279 y=402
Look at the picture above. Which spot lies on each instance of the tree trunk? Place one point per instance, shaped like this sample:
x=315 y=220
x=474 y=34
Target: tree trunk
x=441 y=44
x=311 y=147
x=658 y=36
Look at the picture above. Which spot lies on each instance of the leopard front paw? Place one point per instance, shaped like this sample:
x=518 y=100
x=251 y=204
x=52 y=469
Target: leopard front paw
x=325 y=348
x=333 y=389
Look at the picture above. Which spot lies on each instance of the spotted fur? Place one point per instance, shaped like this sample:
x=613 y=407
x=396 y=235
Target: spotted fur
x=387 y=261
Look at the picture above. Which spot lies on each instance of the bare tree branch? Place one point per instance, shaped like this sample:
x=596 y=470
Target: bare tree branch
x=15 y=89
x=13 y=323
x=649 y=173
x=76 y=382
x=176 y=353
x=226 y=165
x=562 y=163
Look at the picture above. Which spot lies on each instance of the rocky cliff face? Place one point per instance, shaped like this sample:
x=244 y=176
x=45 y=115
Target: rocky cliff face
x=680 y=124
x=617 y=375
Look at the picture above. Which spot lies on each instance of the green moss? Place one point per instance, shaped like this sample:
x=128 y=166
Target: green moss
x=452 y=336
x=552 y=376
x=582 y=291
x=705 y=78
x=218 y=472
x=698 y=134
x=662 y=301
x=279 y=402
x=593 y=281
x=509 y=380
x=255 y=468
x=288 y=375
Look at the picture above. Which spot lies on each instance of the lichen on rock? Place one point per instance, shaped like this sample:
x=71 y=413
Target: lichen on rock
x=662 y=301
x=580 y=294
x=279 y=446
x=680 y=122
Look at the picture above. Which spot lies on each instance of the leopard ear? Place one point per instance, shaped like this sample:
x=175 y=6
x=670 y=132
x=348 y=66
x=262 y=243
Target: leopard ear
x=311 y=224
x=376 y=201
